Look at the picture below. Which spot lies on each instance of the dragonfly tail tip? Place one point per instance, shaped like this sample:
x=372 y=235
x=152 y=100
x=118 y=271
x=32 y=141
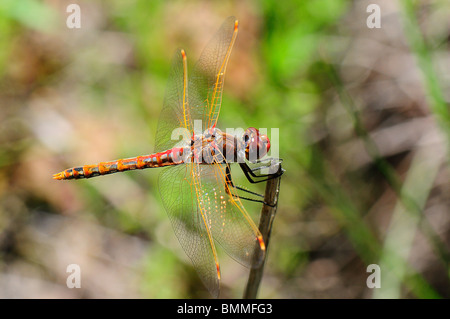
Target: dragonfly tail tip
x=58 y=176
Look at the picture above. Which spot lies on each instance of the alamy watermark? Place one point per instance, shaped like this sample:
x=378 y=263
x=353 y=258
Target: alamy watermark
x=73 y=21
x=235 y=145
x=374 y=19
x=374 y=279
x=74 y=279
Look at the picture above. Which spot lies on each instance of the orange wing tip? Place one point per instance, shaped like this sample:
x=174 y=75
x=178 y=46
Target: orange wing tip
x=236 y=24
x=218 y=271
x=58 y=176
x=261 y=243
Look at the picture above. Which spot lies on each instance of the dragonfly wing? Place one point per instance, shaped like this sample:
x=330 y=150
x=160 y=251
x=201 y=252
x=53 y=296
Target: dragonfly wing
x=205 y=88
x=179 y=187
x=231 y=225
x=207 y=79
x=195 y=196
x=174 y=114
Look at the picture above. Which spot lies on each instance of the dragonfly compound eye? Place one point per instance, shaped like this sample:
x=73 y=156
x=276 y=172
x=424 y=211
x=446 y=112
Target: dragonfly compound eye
x=264 y=145
x=256 y=144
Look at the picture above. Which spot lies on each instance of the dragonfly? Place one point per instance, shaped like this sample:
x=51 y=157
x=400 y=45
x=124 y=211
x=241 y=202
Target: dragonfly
x=195 y=184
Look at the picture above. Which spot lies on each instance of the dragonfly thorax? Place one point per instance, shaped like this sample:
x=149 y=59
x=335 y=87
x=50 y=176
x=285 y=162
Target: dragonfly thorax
x=215 y=146
x=209 y=147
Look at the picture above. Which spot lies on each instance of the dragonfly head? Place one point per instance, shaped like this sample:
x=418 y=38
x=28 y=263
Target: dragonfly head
x=256 y=144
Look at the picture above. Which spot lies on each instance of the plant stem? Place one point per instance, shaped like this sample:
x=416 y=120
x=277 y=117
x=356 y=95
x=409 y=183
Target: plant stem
x=268 y=212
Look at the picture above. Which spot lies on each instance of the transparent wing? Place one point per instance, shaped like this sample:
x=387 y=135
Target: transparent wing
x=205 y=87
x=207 y=79
x=174 y=114
x=196 y=197
x=191 y=225
x=231 y=226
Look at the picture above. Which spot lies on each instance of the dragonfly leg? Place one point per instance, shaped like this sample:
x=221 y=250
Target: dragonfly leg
x=248 y=191
x=254 y=178
x=230 y=184
x=269 y=159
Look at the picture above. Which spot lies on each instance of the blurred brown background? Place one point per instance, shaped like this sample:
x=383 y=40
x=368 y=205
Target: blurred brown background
x=364 y=133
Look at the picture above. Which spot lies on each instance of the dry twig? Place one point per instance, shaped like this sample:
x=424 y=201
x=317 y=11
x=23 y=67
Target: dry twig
x=265 y=226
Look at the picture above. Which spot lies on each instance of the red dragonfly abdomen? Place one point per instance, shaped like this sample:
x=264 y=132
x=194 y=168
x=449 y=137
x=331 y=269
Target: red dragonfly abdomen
x=170 y=157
